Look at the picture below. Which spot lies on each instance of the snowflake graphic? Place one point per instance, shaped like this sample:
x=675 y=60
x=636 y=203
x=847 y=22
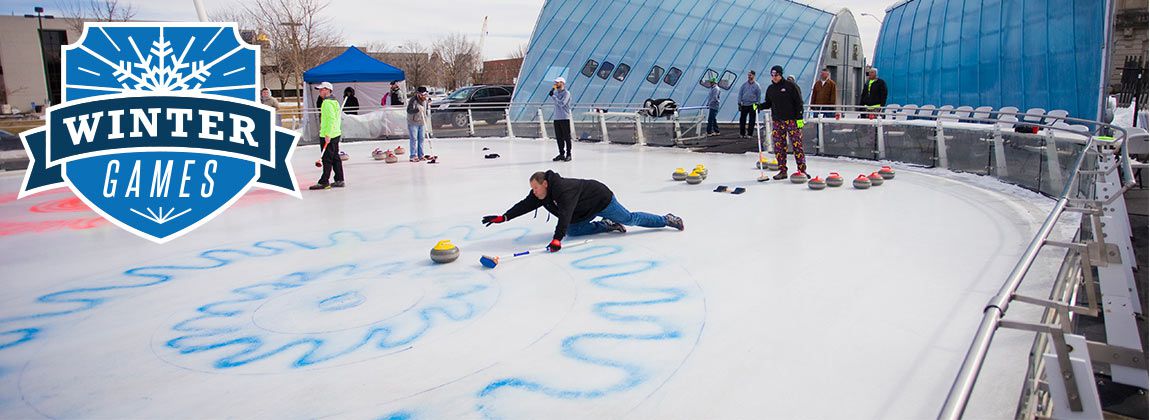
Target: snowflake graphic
x=126 y=58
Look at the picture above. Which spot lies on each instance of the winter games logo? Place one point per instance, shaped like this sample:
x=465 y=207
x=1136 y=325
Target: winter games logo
x=160 y=129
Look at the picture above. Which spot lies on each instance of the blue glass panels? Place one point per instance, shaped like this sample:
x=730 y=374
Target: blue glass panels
x=672 y=43
x=1023 y=53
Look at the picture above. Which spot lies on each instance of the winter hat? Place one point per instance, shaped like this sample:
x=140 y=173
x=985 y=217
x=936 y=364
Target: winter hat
x=421 y=89
x=777 y=69
x=560 y=79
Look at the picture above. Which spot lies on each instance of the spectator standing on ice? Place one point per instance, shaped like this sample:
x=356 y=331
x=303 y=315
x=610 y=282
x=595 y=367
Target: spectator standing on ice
x=750 y=93
x=786 y=105
x=561 y=98
x=824 y=96
x=873 y=95
x=329 y=132
x=713 y=108
x=575 y=202
x=393 y=97
x=350 y=102
x=416 y=119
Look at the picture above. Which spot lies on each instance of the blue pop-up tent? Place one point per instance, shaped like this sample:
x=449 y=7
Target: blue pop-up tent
x=371 y=80
x=353 y=65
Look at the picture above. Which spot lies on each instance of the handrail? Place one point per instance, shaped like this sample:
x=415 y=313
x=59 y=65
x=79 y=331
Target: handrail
x=963 y=386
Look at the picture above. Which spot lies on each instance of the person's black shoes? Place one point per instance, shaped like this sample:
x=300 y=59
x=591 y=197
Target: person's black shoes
x=674 y=221
x=781 y=175
x=338 y=184
x=557 y=158
x=567 y=158
x=319 y=187
x=614 y=227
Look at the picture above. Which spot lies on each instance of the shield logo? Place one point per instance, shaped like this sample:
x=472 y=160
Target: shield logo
x=160 y=128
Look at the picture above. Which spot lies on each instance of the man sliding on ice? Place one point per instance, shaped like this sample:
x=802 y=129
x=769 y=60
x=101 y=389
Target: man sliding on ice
x=576 y=202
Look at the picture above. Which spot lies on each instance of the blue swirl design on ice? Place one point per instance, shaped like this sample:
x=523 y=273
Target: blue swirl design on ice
x=35 y=325
x=633 y=373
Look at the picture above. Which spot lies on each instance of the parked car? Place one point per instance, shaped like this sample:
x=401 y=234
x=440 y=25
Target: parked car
x=10 y=141
x=487 y=103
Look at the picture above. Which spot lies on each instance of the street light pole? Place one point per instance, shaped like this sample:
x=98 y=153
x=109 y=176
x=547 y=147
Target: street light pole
x=40 y=16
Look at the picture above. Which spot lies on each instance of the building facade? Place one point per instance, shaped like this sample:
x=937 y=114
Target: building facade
x=23 y=67
x=618 y=54
x=1022 y=53
x=500 y=72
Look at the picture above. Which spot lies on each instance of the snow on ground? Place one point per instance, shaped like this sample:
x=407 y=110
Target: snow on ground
x=778 y=303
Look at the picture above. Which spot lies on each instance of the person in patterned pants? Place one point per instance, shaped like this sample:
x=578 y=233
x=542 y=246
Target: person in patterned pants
x=786 y=105
x=781 y=131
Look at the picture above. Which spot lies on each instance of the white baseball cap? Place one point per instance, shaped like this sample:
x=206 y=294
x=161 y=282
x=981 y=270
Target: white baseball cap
x=324 y=85
x=560 y=79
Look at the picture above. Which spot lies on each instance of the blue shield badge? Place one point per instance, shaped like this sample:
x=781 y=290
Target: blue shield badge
x=160 y=128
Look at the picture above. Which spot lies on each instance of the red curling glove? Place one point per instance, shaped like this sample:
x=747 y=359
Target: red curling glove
x=555 y=246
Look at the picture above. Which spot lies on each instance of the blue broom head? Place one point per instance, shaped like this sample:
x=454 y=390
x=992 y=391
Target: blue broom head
x=489 y=262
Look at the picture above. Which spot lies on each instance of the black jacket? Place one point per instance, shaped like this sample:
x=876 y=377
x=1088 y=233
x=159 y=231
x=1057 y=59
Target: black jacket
x=784 y=100
x=351 y=105
x=571 y=200
x=873 y=95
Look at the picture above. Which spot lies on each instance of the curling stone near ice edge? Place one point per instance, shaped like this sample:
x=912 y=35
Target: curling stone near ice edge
x=799 y=178
x=862 y=182
x=816 y=183
x=679 y=175
x=875 y=179
x=378 y=154
x=886 y=172
x=702 y=170
x=444 y=252
x=343 y=155
x=399 y=150
x=771 y=164
x=390 y=158
x=694 y=178
x=834 y=180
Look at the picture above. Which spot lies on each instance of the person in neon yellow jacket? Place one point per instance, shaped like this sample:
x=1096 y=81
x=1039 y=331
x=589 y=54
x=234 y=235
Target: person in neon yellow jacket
x=329 y=133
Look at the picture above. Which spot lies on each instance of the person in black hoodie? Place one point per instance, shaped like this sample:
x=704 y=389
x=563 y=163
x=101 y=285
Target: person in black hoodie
x=350 y=102
x=786 y=105
x=576 y=202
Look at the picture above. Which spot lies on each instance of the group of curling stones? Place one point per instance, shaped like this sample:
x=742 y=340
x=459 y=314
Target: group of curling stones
x=833 y=180
x=387 y=156
x=696 y=176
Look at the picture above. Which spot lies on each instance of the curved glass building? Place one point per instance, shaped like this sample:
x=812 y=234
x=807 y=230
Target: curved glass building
x=1021 y=53
x=623 y=52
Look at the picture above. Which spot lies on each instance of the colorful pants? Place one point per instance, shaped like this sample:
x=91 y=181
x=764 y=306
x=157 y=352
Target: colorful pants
x=780 y=132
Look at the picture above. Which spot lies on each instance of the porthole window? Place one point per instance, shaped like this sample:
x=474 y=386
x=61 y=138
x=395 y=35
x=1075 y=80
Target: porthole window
x=621 y=72
x=673 y=76
x=605 y=70
x=655 y=74
x=707 y=76
x=728 y=80
x=589 y=68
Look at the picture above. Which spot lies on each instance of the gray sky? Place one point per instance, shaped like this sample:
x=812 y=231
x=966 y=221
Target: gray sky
x=509 y=21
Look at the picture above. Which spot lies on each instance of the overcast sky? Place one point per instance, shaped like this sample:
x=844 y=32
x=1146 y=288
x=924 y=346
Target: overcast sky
x=509 y=21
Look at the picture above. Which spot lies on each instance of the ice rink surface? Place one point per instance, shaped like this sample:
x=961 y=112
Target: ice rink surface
x=778 y=303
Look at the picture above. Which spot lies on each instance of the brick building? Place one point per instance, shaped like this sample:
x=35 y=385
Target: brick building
x=500 y=72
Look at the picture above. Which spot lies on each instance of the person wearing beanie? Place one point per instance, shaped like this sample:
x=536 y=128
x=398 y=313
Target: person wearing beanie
x=350 y=102
x=786 y=105
x=713 y=107
x=575 y=202
x=749 y=95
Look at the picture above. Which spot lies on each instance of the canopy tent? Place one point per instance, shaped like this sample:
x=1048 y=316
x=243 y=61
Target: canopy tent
x=371 y=79
x=353 y=65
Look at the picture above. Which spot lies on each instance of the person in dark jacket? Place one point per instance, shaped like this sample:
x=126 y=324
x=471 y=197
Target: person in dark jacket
x=350 y=102
x=873 y=95
x=576 y=202
x=393 y=97
x=786 y=105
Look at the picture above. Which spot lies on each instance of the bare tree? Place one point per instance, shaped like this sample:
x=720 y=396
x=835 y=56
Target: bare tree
x=299 y=35
x=460 y=58
x=520 y=51
x=79 y=11
x=419 y=65
x=375 y=47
